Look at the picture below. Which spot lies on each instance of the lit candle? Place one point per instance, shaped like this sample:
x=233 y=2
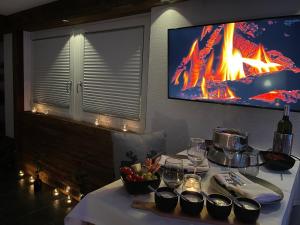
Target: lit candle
x=34 y=110
x=31 y=179
x=46 y=112
x=69 y=199
x=97 y=122
x=55 y=192
x=192 y=183
x=21 y=173
x=124 y=127
x=81 y=196
x=68 y=188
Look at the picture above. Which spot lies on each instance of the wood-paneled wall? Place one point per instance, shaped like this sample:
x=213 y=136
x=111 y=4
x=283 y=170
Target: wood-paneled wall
x=64 y=149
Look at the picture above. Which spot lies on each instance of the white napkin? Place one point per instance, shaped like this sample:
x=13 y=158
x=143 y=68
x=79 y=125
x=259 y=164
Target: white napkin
x=250 y=189
x=187 y=164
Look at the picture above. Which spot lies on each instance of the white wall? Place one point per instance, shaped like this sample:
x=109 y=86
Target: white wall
x=182 y=119
x=8 y=86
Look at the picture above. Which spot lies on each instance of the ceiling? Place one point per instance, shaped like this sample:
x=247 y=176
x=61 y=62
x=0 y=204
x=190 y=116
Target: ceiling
x=8 y=7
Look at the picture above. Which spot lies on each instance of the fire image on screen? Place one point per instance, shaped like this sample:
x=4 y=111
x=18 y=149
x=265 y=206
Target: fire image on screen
x=254 y=63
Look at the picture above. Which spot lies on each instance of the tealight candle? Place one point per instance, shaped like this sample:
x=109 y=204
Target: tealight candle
x=97 y=122
x=68 y=188
x=124 y=127
x=81 y=196
x=31 y=179
x=55 y=192
x=46 y=112
x=21 y=173
x=34 y=110
x=69 y=199
x=192 y=183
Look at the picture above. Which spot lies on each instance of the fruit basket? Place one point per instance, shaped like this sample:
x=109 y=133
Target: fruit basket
x=136 y=178
x=140 y=187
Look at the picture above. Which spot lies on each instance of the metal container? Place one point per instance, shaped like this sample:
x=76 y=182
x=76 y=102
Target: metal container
x=232 y=139
x=218 y=156
x=283 y=143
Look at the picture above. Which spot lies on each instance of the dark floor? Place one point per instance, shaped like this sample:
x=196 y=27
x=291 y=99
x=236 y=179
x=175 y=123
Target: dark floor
x=19 y=205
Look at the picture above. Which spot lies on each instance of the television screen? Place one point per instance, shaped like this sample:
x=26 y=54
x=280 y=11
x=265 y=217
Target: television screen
x=250 y=63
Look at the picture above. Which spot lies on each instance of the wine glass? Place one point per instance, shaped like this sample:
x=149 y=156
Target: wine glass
x=197 y=152
x=173 y=172
x=229 y=154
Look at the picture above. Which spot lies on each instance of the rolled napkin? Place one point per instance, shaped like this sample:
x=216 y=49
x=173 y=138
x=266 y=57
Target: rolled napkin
x=249 y=189
x=187 y=164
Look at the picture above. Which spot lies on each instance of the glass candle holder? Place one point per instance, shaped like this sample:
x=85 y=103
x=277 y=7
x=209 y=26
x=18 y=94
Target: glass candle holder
x=21 y=173
x=55 y=193
x=31 y=179
x=191 y=182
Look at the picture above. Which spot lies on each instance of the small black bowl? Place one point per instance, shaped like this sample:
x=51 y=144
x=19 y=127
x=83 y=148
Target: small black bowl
x=140 y=187
x=247 y=215
x=219 y=211
x=166 y=203
x=191 y=207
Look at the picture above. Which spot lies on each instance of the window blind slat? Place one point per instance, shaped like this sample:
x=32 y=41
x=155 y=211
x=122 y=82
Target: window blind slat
x=113 y=72
x=51 y=71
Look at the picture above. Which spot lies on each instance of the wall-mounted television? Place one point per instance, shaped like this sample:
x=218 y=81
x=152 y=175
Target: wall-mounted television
x=250 y=63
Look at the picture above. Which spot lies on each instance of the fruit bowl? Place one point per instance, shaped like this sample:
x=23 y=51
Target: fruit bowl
x=140 y=186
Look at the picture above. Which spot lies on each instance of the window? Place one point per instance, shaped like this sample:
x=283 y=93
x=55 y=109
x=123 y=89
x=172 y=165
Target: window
x=94 y=71
x=51 y=71
x=112 y=72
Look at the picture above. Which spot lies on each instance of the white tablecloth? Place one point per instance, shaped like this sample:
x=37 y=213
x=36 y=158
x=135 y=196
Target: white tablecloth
x=111 y=204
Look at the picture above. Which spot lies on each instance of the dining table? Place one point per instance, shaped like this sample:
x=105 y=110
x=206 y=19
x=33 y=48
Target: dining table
x=112 y=205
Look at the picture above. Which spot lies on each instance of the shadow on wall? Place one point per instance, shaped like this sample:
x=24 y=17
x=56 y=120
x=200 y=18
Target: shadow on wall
x=175 y=130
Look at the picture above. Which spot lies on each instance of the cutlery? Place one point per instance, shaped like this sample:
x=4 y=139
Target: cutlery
x=154 y=190
x=224 y=186
x=182 y=196
x=208 y=198
x=237 y=178
x=236 y=201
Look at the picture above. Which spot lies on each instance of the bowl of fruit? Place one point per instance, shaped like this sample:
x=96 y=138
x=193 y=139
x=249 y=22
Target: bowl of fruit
x=137 y=177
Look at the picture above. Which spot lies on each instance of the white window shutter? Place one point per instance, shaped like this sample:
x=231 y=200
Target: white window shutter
x=113 y=62
x=51 y=71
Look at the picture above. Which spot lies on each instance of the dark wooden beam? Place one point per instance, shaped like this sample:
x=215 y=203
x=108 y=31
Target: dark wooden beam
x=78 y=11
x=18 y=84
x=3 y=27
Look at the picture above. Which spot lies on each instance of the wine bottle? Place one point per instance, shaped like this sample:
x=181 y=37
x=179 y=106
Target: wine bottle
x=284 y=125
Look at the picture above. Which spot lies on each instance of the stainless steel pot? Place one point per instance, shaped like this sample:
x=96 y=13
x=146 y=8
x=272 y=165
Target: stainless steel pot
x=225 y=138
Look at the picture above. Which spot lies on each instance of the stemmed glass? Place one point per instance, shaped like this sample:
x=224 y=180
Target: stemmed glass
x=249 y=163
x=229 y=153
x=197 y=152
x=173 y=172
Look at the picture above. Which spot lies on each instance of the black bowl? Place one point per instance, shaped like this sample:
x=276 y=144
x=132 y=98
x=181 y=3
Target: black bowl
x=277 y=161
x=219 y=211
x=140 y=187
x=163 y=203
x=247 y=215
x=191 y=207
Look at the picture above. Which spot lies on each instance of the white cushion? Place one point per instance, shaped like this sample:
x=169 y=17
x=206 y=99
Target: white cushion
x=138 y=144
